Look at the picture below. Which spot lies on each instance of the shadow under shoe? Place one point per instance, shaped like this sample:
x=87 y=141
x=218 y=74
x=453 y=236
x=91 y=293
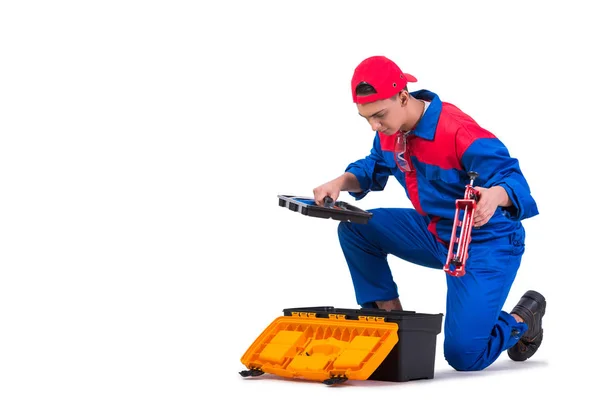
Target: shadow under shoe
x=531 y=307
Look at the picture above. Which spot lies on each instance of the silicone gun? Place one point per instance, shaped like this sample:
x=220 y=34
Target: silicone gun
x=456 y=261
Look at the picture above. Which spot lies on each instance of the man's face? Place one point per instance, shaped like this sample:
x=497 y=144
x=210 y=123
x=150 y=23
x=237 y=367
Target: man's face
x=385 y=116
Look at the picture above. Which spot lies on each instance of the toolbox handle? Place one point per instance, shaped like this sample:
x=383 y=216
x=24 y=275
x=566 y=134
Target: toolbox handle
x=328 y=201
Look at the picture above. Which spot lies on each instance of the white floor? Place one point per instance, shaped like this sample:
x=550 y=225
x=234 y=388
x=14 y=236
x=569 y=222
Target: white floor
x=500 y=381
x=505 y=378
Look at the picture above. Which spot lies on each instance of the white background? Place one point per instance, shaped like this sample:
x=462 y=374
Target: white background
x=143 y=146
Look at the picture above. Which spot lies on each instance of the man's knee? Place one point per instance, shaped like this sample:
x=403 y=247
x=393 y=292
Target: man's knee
x=344 y=229
x=350 y=229
x=462 y=354
x=374 y=225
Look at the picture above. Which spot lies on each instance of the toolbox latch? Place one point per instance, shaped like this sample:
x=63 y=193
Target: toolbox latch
x=371 y=318
x=303 y=314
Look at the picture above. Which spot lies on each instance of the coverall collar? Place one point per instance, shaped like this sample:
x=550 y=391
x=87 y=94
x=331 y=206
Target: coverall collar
x=428 y=123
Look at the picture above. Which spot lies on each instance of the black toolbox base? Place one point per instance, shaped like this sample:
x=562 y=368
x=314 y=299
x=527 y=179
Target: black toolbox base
x=413 y=357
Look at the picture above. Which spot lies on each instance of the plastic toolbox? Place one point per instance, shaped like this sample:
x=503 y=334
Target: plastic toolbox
x=333 y=345
x=338 y=210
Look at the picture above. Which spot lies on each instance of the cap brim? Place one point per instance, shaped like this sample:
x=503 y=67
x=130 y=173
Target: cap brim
x=410 y=78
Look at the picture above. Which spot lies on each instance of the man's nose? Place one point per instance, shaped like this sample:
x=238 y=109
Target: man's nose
x=375 y=125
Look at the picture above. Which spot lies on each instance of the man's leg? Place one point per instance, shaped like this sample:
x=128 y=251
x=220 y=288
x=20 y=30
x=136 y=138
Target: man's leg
x=477 y=331
x=400 y=232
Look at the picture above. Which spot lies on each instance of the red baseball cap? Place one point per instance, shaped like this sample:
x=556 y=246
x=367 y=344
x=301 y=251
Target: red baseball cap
x=381 y=73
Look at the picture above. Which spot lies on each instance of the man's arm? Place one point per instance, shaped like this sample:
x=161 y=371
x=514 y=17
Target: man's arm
x=348 y=182
x=500 y=176
x=368 y=174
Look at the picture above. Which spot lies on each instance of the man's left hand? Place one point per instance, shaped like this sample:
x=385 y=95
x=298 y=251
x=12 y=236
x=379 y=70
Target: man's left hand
x=489 y=200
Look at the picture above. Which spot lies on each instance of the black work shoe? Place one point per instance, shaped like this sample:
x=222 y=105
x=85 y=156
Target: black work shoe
x=531 y=308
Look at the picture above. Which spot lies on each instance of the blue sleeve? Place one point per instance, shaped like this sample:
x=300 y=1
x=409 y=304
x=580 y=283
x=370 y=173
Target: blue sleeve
x=372 y=172
x=492 y=161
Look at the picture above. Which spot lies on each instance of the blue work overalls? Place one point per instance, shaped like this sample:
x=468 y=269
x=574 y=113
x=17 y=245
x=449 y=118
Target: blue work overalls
x=442 y=148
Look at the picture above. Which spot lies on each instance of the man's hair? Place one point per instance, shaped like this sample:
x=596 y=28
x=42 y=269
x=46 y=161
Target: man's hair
x=364 y=89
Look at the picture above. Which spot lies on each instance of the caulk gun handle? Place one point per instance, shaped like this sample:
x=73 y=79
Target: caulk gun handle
x=473 y=175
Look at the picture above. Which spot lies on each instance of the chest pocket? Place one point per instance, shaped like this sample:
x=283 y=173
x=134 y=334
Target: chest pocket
x=433 y=173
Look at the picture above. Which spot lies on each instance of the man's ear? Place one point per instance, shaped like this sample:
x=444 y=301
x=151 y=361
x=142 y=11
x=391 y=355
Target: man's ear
x=404 y=98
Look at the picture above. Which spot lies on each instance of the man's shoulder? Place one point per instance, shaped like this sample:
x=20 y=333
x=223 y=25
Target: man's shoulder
x=460 y=124
x=454 y=116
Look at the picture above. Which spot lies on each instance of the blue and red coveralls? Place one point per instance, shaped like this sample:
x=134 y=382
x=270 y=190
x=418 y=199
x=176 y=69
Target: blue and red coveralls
x=442 y=148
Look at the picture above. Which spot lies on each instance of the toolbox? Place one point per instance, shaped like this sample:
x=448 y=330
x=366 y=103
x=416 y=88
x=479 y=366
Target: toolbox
x=333 y=345
x=338 y=210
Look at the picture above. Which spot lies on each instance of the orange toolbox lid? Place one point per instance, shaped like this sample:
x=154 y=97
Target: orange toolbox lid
x=330 y=350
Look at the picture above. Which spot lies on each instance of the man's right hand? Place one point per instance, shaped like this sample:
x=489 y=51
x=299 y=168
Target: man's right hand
x=331 y=189
x=345 y=182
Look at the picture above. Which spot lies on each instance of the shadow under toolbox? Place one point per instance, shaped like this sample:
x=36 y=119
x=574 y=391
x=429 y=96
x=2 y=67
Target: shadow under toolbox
x=333 y=345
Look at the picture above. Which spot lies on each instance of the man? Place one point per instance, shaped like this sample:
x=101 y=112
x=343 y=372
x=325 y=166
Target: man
x=429 y=146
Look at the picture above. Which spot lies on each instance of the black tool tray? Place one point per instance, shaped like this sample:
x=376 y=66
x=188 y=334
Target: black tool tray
x=339 y=210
